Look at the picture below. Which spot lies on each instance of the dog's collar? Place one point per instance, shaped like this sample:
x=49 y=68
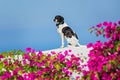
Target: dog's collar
x=59 y=24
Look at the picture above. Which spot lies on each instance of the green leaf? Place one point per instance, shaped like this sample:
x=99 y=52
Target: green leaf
x=57 y=66
x=118 y=66
x=90 y=30
x=88 y=78
x=1 y=65
x=105 y=68
x=18 y=52
x=105 y=53
x=55 y=76
x=1 y=73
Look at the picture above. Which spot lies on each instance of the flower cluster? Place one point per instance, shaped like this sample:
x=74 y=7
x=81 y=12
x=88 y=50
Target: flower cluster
x=32 y=65
x=104 y=58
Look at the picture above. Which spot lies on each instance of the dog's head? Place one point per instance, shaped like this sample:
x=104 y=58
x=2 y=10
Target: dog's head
x=58 y=20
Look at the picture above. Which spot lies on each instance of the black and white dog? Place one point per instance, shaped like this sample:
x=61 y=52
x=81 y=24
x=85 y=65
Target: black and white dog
x=66 y=32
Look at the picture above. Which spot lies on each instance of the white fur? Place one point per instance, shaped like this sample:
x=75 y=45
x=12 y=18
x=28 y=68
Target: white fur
x=61 y=26
x=73 y=41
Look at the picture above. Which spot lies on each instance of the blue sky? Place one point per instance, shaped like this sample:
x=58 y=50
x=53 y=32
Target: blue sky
x=29 y=23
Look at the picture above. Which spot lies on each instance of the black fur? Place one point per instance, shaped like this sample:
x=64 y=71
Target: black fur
x=67 y=31
x=76 y=35
x=59 y=19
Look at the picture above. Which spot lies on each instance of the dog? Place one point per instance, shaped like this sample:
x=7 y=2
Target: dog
x=66 y=32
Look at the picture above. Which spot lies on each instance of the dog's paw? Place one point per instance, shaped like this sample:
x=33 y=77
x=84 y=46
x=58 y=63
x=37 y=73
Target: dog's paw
x=62 y=46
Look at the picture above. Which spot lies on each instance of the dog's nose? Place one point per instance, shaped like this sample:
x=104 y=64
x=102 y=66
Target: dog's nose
x=54 y=20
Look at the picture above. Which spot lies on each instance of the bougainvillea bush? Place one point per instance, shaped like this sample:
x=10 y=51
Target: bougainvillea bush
x=31 y=65
x=104 y=61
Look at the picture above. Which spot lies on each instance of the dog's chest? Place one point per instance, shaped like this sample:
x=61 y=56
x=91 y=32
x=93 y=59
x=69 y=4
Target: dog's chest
x=61 y=27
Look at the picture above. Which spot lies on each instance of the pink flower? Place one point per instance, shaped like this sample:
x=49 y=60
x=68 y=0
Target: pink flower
x=105 y=23
x=7 y=74
x=3 y=77
x=28 y=50
x=79 y=69
x=69 y=64
x=119 y=22
x=109 y=66
x=77 y=77
x=98 y=32
x=107 y=35
x=38 y=65
x=115 y=36
x=1 y=56
x=51 y=65
x=39 y=53
x=61 y=57
x=111 y=46
x=109 y=24
x=109 y=53
x=49 y=55
x=115 y=24
x=46 y=79
x=85 y=72
x=39 y=72
x=60 y=76
x=93 y=27
x=99 y=68
x=6 y=63
x=70 y=50
x=115 y=53
x=26 y=56
x=33 y=51
x=52 y=52
x=119 y=48
x=20 y=77
x=98 y=44
x=66 y=52
x=15 y=72
x=64 y=69
x=89 y=45
x=99 y=25
x=24 y=62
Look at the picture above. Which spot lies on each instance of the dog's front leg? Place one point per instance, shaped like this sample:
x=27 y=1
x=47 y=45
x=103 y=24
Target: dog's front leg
x=62 y=38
